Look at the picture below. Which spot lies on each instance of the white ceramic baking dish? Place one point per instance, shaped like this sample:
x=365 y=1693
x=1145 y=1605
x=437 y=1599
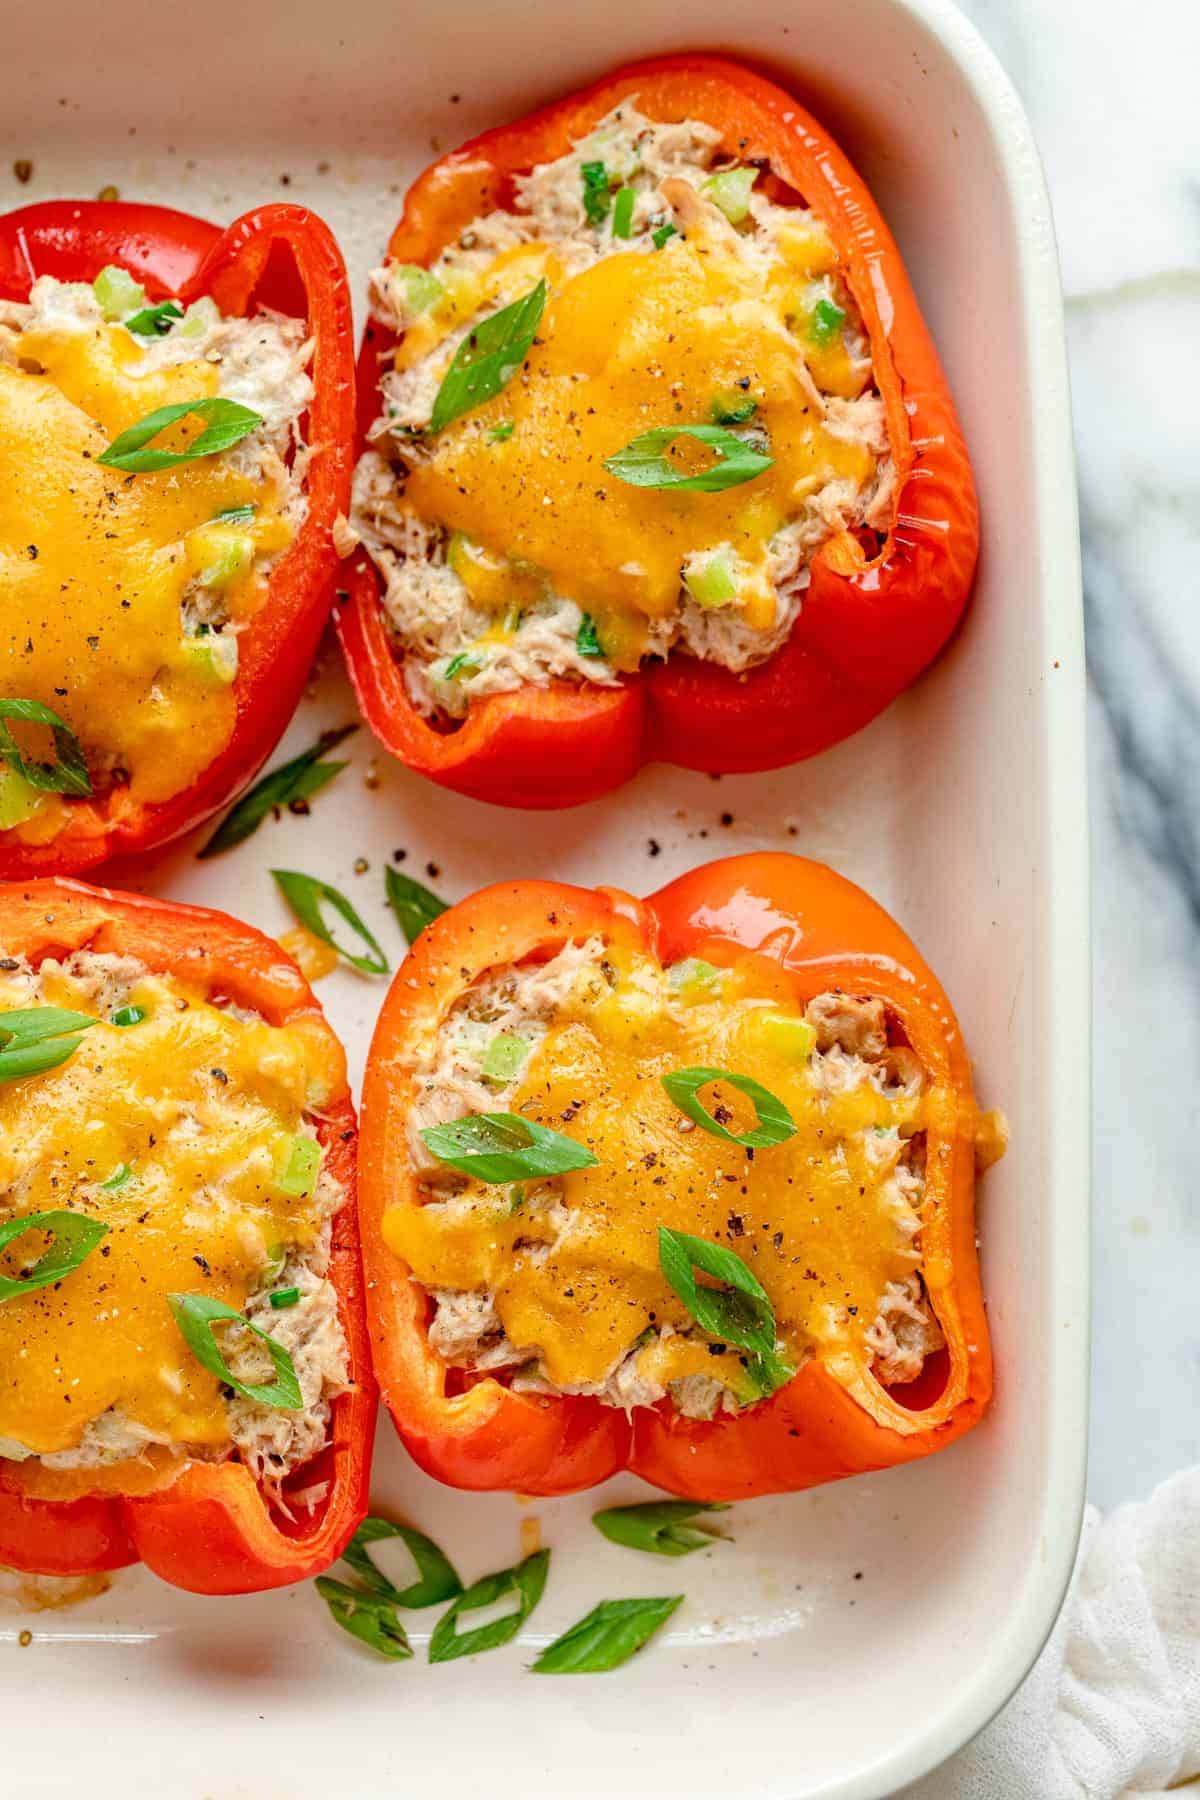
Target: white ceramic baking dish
x=852 y=1637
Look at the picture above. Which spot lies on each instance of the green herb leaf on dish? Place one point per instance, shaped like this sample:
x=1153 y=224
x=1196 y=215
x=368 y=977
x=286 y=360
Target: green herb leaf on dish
x=437 y=1578
x=228 y=423
x=622 y=215
x=306 y=895
x=414 y=905
x=587 y=640
x=597 y=196
x=153 y=321
x=488 y=358
x=299 y=779
x=501 y=1146
x=366 y=1617
x=525 y=1583
x=68 y=775
x=607 y=1637
x=196 y=1314
x=744 y=1317
x=643 y=462
x=661 y=1527
x=34 y=1039
x=775 y=1122
x=75 y=1237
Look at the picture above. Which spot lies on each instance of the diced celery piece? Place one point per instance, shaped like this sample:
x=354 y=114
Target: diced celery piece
x=118 y=293
x=693 y=979
x=422 y=291
x=215 y=655
x=709 y=578
x=300 y=1171
x=505 y=1056
x=730 y=190
x=788 y=1035
x=18 y=801
x=224 y=552
x=199 y=316
x=276 y=1257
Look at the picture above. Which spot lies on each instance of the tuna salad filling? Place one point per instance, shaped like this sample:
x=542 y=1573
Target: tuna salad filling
x=681 y=289
x=187 y=1127
x=831 y=1223
x=128 y=589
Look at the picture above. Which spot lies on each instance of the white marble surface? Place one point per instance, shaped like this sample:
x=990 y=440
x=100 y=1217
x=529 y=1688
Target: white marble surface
x=1111 y=90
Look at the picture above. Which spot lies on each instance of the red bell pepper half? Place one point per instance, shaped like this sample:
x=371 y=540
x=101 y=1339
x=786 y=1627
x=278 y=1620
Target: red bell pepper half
x=833 y=1418
x=209 y=1528
x=872 y=618
x=282 y=257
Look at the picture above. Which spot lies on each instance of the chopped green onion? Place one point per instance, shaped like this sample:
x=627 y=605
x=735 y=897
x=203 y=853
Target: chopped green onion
x=661 y=1527
x=622 y=217
x=525 y=1583
x=732 y=406
x=744 y=1316
x=415 y=906
x=196 y=1314
x=827 y=320
x=709 y=578
x=642 y=462
x=215 y=654
x=609 y=1635
x=500 y=434
x=18 y=799
x=234 y=515
x=663 y=235
x=34 y=1039
x=75 y=1237
x=305 y=894
x=366 y=1617
x=300 y=1171
x=117 y=292
x=730 y=190
x=505 y=1057
x=587 y=639
x=422 y=291
x=128 y=1015
x=501 y=1146
x=597 y=195
x=154 y=321
x=283 y=1298
x=775 y=1122
x=488 y=357
x=120 y=1178
x=462 y=664
x=66 y=776
x=438 y=1579
x=228 y=423
x=293 y=781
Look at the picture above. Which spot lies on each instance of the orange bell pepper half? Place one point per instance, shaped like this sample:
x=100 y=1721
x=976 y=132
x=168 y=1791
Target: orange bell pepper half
x=871 y=620
x=833 y=1418
x=278 y=256
x=208 y=1527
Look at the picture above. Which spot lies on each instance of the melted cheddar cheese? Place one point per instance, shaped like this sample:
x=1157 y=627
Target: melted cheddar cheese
x=202 y=1108
x=812 y=1217
x=634 y=341
x=95 y=563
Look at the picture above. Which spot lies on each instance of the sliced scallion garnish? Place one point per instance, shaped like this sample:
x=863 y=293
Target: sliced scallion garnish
x=366 y=1617
x=525 y=1583
x=597 y=196
x=587 y=640
x=642 y=463
x=775 y=1122
x=437 y=1579
x=414 y=905
x=75 y=1237
x=228 y=423
x=501 y=1146
x=661 y=1527
x=197 y=1314
x=663 y=235
x=154 y=321
x=500 y=434
x=120 y=1178
x=306 y=895
x=284 y=1298
x=622 y=213
x=488 y=357
x=128 y=1015
x=235 y=515
x=299 y=779
x=827 y=320
x=461 y=664
x=732 y=406
x=34 y=1039
x=607 y=1636
x=739 y=1313
x=68 y=775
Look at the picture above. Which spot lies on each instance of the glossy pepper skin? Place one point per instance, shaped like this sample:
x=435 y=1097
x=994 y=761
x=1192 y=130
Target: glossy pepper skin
x=209 y=1529
x=283 y=257
x=870 y=622
x=832 y=1419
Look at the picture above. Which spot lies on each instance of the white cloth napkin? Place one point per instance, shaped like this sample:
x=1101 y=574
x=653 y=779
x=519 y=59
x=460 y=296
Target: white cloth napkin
x=1111 y=1711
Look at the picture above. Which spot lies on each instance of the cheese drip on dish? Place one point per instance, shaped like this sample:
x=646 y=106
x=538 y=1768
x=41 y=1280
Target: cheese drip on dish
x=510 y=555
x=176 y=1129
x=123 y=595
x=557 y=1287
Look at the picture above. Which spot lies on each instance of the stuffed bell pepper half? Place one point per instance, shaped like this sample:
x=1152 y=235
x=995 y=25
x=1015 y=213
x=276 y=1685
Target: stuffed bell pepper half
x=176 y=438
x=683 y=1186
x=186 y=1370
x=659 y=461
